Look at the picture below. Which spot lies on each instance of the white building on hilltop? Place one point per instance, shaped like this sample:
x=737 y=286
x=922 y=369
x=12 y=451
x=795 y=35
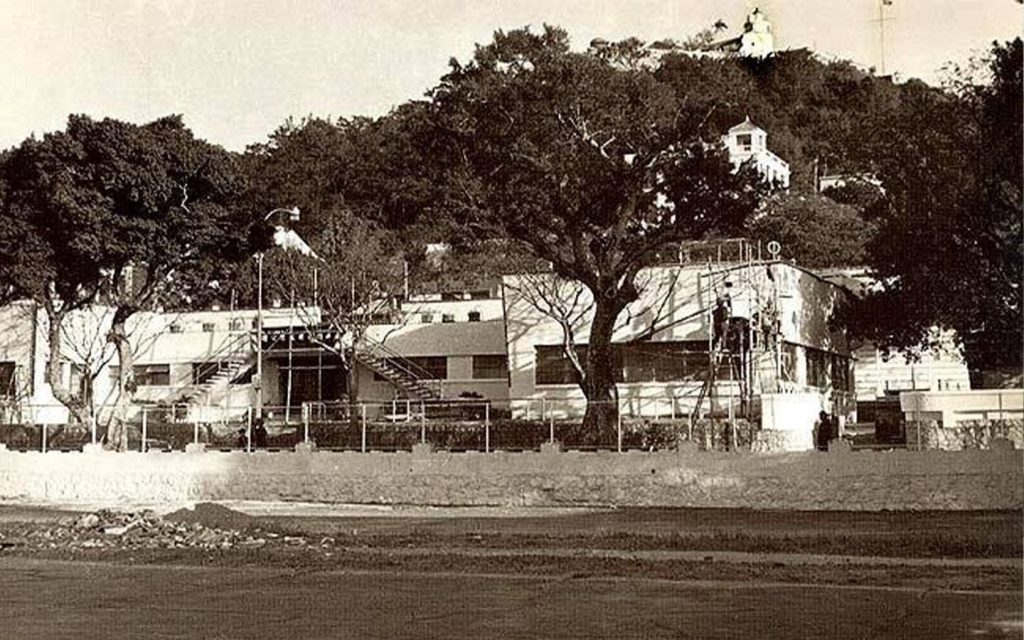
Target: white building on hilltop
x=748 y=142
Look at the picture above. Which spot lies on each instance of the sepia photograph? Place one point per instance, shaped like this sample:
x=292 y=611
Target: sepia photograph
x=517 y=319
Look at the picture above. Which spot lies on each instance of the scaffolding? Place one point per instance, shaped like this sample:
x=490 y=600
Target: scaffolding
x=740 y=299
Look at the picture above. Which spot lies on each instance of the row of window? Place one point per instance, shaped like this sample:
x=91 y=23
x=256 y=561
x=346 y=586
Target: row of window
x=238 y=325
x=637 y=362
x=640 y=362
x=485 y=367
x=825 y=369
x=679 y=361
x=159 y=375
x=428 y=318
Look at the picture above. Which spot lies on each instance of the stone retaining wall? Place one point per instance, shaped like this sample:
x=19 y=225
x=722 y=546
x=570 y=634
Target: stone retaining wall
x=967 y=434
x=839 y=479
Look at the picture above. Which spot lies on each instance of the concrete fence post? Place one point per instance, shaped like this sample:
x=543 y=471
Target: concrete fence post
x=92 y=427
x=551 y=428
x=43 y=444
x=248 y=430
x=619 y=426
x=145 y=420
x=305 y=422
x=423 y=422
x=195 y=431
x=487 y=428
x=362 y=412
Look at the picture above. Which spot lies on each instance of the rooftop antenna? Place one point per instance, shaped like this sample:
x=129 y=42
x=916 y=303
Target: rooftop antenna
x=881 y=20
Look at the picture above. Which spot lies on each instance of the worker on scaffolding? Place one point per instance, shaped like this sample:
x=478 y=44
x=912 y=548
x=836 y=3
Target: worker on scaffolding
x=720 y=319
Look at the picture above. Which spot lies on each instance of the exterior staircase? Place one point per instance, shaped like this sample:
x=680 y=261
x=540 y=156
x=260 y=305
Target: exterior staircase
x=406 y=375
x=223 y=366
x=226 y=372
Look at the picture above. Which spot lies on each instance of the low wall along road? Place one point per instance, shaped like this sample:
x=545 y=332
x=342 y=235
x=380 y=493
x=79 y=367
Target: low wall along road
x=867 y=480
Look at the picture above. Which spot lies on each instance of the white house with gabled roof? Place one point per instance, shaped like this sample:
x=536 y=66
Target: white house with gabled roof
x=747 y=142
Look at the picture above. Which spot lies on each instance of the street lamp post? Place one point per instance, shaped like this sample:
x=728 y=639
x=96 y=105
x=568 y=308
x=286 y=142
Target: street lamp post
x=293 y=214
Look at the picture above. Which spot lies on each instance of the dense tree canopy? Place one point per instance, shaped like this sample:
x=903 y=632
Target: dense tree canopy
x=134 y=217
x=814 y=230
x=949 y=250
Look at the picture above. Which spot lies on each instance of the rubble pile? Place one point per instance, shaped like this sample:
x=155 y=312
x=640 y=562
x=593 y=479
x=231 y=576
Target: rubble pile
x=139 y=530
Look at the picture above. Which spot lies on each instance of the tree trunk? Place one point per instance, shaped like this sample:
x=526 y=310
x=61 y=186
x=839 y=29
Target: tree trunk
x=117 y=431
x=600 y=423
x=354 y=416
x=80 y=408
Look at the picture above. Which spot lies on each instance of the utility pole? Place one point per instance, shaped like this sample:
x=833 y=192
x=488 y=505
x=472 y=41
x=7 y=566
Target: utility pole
x=881 y=20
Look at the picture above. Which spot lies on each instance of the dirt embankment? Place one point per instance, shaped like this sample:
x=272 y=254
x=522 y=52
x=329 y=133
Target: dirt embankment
x=978 y=555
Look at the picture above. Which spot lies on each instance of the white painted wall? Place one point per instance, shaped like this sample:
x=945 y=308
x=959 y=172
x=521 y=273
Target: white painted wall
x=806 y=304
x=793 y=414
x=951 y=407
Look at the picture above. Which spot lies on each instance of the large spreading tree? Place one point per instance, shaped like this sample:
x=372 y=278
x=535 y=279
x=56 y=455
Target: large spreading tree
x=132 y=217
x=949 y=250
x=589 y=161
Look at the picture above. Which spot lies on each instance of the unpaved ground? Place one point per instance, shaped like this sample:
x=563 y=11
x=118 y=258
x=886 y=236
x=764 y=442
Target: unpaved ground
x=652 y=573
x=55 y=600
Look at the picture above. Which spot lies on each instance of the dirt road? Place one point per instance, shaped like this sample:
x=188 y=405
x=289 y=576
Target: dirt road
x=614 y=574
x=60 y=599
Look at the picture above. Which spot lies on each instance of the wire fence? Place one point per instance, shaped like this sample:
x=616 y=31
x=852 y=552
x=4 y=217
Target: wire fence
x=399 y=425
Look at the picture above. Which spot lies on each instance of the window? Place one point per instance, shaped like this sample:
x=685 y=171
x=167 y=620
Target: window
x=554 y=368
x=447 y=317
x=208 y=327
x=744 y=141
x=79 y=380
x=152 y=375
x=8 y=380
x=841 y=378
x=430 y=367
x=664 y=362
x=818 y=363
x=235 y=324
x=490 y=367
x=474 y=316
x=788 y=362
x=313 y=378
x=176 y=328
x=425 y=367
x=426 y=318
x=203 y=372
x=636 y=362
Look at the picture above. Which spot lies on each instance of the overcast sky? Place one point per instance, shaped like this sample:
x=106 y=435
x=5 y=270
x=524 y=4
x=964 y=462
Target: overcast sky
x=237 y=68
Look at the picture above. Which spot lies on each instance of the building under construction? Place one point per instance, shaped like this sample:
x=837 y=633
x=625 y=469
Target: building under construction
x=747 y=337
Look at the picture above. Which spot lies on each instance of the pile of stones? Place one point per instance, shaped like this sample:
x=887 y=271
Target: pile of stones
x=139 y=530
